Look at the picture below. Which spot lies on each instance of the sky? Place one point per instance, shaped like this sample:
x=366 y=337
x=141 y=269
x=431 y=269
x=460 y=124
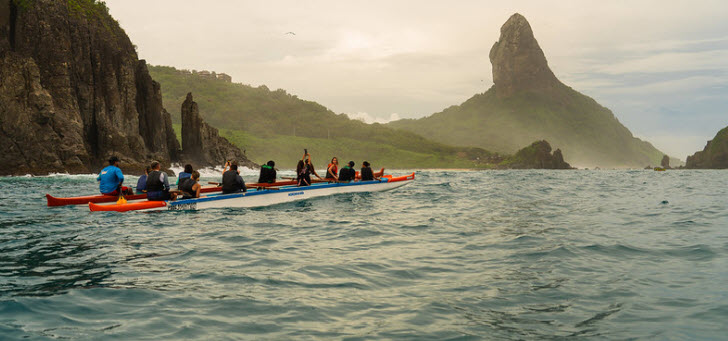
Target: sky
x=660 y=66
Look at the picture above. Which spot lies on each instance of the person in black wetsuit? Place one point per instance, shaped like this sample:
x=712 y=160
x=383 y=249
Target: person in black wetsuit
x=191 y=187
x=347 y=173
x=232 y=182
x=366 y=172
x=158 y=184
x=267 y=173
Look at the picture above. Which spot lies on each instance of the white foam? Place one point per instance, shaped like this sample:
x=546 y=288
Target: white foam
x=211 y=172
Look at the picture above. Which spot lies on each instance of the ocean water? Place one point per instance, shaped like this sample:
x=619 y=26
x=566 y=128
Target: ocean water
x=457 y=255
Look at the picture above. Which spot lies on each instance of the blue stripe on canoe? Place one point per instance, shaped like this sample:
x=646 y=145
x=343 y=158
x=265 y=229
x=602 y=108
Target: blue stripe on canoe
x=216 y=197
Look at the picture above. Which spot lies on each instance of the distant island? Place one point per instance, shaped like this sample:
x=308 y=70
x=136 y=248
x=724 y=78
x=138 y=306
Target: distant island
x=527 y=103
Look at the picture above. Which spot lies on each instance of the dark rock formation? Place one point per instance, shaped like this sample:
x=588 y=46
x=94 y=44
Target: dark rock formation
x=73 y=92
x=518 y=62
x=665 y=163
x=713 y=156
x=201 y=144
x=536 y=156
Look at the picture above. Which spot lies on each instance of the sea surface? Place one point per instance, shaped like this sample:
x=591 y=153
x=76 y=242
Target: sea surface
x=457 y=255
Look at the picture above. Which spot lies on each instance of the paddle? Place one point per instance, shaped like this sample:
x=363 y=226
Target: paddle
x=121 y=200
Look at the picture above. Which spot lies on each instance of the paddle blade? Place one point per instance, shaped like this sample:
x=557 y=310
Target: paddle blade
x=121 y=201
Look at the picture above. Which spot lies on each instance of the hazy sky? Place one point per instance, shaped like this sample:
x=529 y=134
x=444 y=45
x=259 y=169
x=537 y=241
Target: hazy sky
x=660 y=66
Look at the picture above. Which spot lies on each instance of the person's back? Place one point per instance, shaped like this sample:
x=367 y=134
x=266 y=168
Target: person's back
x=157 y=184
x=232 y=182
x=267 y=173
x=366 y=173
x=111 y=178
x=347 y=173
x=141 y=186
x=190 y=187
x=186 y=174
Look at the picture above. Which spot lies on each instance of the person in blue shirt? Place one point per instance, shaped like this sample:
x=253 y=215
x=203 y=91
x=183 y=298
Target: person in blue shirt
x=184 y=175
x=141 y=187
x=111 y=178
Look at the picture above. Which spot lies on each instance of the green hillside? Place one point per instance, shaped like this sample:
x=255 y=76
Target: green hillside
x=587 y=133
x=276 y=125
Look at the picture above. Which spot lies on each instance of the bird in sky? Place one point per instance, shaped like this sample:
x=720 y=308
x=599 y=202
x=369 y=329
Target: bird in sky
x=291 y=33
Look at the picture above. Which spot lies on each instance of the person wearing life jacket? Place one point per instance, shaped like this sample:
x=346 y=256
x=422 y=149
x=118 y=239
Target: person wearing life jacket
x=111 y=178
x=333 y=169
x=191 y=187
x=184 y=174
x=232 y=182
x=347 y=173
x=267 y=173
x=366 y=172
x=141 y=187
x=158 y=184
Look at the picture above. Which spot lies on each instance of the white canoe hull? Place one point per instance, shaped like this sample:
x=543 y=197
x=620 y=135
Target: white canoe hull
x=269 y=197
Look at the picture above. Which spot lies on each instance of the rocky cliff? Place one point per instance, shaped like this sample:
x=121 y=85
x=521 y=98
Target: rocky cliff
x=518 y=62
x=73 y=92
x=528 y=103
x=713 y=156
x=201 y=143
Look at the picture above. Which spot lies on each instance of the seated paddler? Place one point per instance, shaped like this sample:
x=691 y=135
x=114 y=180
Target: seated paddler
x=267 y=173
x=111 y=178
x=158 y=184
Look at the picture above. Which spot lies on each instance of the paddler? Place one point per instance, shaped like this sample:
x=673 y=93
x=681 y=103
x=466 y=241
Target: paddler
x=366 y=172
x=232 y=182
x=190 y=187
x=111 y=178
x=347 y=173
x=158 y=184
x=333 y=169
x=141 y=187
x=267 y=173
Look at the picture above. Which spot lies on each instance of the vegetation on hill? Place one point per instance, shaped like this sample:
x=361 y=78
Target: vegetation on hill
x=586 y=132
x=276 y=125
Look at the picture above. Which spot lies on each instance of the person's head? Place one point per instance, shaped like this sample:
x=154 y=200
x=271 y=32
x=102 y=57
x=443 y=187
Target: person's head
x=351 y=163
x=147 y=170
x=113 y=161
x=188 y=168
x=334 y=160
x=195 y=175
x=271 y=163
x=155 y=165
x=308 y=161
x=365 y=164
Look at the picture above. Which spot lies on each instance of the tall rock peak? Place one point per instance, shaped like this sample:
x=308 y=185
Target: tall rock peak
x=201 y=143
x=518 y=61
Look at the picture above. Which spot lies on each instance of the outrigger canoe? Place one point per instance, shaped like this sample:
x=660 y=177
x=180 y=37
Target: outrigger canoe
x=263 y=197
x=83 y=200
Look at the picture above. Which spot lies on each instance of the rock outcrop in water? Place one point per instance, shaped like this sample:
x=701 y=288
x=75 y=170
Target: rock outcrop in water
x=73 y=92
x=201 y=143
x=713 y=156
x=536 y=156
